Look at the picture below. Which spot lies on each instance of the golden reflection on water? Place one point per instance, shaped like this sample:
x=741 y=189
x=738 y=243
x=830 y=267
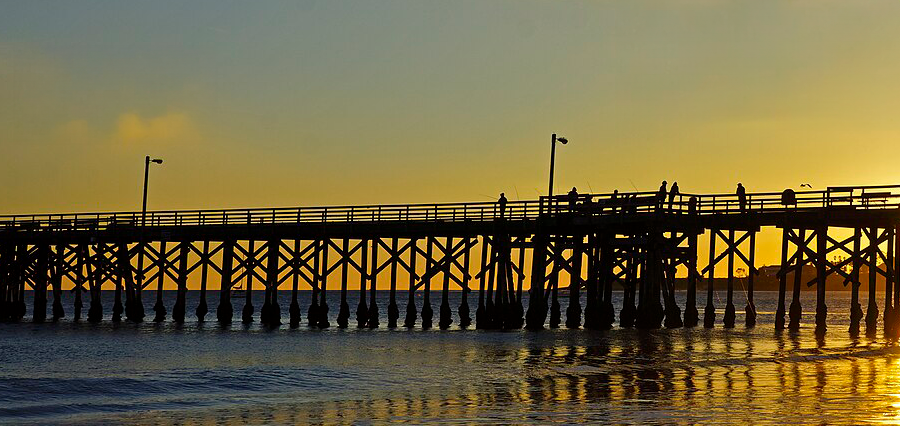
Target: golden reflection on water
x=642 y=379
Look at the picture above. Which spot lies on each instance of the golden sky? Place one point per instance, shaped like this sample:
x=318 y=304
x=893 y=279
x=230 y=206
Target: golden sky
x=287 y=103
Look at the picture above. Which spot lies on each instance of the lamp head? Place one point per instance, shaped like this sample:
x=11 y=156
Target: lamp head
x=157 y=160
x=562 y=140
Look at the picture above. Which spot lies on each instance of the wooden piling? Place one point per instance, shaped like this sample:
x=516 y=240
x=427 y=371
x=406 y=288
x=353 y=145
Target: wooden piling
x=273 y=256
x=445 y=317
x=126 y=275
x=323 y=288
x=691 y=316
x=856 y=313
x=573 y=311
x=728 y=319
x=58 y=270
x=555 y=313
x=607 y=257
x=225 y=311
x=750 y=309
x=629 y=311
x=179 y=310
x=294 y=310
x=592 y=289
x=796 y=310
x=161 y=265
x=312 y=313
x=202 y=308
x=41 y=283
x=537 y=310
x=362 y=310
x=821 y=253
x=709 y=313
x=463 y=311
x=373 y=305
x=344 y=310
x=889 y=284
x=409 y=321
x=782 y=280
x=872 y=306
x=481 y=320
x=78 y=289
x=427 y=311
x=250 y=264
x=393 y=310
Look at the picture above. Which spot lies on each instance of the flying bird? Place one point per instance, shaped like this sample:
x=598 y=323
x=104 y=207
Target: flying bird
x=805 y=185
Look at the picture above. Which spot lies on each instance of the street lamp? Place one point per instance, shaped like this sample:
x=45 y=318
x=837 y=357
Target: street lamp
x=135 y=310
x=556 y=139
x=147 y=162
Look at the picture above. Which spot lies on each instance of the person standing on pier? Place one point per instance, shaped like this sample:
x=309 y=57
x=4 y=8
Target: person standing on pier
x=661 y=194
x=672 y=194
x=742 y=197
x=502 y=201
x=614 y=199
x=573 y=199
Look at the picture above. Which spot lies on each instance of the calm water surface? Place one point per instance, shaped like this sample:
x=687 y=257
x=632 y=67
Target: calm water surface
x=203 y=374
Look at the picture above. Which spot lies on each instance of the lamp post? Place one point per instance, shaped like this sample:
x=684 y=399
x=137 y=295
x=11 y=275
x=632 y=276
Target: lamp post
x=147 y=162
x=135 y=312
x=556 y=139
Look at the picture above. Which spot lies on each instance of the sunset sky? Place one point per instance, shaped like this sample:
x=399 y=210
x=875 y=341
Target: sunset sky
x=255 y=104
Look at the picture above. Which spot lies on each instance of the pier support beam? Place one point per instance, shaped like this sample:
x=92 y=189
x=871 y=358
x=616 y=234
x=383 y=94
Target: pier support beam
x=411 y=310
x=872 y=307
x=464 y=319
x=202 y=308
x=372 y=321
x=273 y=310
x=796 y=310
x=573 y=311
x=162 y=265
x=537 y=311
x=41 y=283
x=294 y=309
x=856 y=312
x=393 y=311
x=691 y=316
x=343 y=318
x=57 y=271
x=821 y=275
x=709 y=313
x=250 y=264
x=750 y=309
x=889 y=307
x=362 y=310
x=312 y=313
x=225 y=311
x=782 y=280
x=179 y=310
x=728 y=319
x=323 y=288
x=445 y=317
x=427 y=311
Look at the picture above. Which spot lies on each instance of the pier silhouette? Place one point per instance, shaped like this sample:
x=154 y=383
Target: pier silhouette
x=633 y=242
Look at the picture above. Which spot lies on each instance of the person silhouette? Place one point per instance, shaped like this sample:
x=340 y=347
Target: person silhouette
x=692 y=205
x=742 y=197
x=661 y=194
x=614 y=199
x=672 y=194
x=502 y=201
x=573 y=198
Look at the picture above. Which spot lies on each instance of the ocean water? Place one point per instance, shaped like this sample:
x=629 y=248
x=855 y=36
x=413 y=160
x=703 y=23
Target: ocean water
x=201 y=373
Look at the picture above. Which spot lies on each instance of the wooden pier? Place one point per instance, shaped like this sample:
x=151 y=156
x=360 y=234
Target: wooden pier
x=590 y=243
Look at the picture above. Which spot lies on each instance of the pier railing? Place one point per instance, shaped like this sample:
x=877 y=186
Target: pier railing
x=859 y=197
